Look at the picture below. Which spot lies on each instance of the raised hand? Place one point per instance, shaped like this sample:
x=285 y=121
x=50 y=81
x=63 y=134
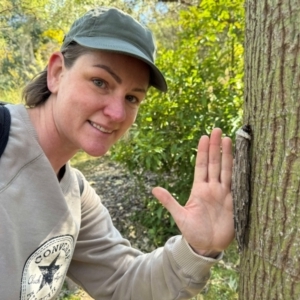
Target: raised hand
x=206 y=221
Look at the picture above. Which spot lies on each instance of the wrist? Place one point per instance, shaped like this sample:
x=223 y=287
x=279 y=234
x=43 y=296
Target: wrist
x=207 y=253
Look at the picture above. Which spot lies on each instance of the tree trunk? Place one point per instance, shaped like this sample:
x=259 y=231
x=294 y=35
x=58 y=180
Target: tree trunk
x=270 y=263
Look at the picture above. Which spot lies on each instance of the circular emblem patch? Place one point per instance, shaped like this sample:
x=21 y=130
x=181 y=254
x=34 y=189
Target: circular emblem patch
x=45 y=269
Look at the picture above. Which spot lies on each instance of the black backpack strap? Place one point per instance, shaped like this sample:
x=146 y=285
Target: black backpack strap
x=5 y=121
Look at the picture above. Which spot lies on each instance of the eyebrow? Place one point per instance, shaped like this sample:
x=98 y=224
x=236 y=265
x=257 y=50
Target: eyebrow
x=116 y=77
x=110 y=71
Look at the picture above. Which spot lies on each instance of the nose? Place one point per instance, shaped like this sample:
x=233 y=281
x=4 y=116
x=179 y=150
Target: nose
x=115 y=109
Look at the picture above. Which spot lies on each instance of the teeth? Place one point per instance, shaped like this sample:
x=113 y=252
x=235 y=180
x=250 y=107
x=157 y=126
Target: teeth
x=101 y=128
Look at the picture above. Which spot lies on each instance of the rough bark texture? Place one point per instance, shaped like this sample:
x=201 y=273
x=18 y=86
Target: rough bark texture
x=270 y=264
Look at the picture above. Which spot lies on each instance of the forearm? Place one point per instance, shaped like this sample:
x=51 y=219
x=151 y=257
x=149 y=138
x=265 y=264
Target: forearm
x=171 y=272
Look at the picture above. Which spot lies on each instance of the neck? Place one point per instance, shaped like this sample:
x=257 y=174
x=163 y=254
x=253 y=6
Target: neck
x=50 y=140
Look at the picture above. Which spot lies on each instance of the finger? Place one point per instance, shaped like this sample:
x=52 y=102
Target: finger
x=202 y=159
x=214 y=159
x=227 y=161
x=166 y=199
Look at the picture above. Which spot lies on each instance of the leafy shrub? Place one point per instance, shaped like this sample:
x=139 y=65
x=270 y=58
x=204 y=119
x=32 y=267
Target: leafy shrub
x=204 y=73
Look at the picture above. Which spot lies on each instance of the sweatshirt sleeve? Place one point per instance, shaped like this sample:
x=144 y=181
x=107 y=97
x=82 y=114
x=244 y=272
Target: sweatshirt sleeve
x=108 y=268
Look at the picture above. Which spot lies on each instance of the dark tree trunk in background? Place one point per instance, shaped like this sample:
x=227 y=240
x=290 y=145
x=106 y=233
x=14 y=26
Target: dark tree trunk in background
x=270 y=263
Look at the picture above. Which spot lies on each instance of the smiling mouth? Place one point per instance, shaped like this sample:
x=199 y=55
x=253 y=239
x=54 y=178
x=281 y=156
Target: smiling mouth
x=100 y=128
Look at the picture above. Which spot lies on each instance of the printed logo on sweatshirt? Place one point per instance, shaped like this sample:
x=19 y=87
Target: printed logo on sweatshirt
x=46 y=268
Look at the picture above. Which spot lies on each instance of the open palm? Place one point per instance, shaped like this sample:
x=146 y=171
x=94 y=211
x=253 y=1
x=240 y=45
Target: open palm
x=206 y=221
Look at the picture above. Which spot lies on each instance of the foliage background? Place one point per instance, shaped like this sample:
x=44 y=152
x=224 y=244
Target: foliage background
x=204 y=68
x=200 y=51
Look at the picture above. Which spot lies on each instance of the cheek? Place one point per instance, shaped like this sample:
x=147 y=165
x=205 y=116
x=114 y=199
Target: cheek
x=68 y=111
x=72 y=100
x=131 y=116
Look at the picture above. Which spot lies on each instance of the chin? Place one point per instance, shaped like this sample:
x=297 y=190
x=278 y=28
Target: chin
x=95 y=152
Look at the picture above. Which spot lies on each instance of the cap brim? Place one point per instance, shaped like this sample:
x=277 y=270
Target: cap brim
x=157 y=79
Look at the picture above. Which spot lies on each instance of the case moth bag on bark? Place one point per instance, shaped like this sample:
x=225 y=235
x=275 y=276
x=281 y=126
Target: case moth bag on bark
x=241 y=184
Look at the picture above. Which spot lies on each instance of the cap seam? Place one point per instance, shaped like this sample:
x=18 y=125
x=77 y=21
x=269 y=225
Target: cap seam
x=122 y=39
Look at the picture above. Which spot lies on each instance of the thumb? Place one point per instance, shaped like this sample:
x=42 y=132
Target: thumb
x=168 y=201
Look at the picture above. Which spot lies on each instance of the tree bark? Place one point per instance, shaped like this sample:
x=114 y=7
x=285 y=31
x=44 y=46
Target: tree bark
x=270 y=263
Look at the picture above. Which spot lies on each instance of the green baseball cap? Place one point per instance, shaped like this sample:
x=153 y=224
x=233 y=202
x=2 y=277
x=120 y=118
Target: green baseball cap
x=111 y=29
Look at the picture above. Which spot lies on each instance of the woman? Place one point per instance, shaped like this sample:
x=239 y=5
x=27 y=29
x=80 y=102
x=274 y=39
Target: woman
x=87 y=98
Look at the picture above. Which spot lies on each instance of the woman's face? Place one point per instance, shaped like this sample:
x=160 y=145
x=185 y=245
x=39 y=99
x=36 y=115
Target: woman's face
x=97 y=100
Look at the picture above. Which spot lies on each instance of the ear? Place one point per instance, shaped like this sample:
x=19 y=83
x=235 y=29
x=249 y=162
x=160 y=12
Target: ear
x=54 y=71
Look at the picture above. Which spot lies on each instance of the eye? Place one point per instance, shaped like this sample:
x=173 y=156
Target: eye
x=132 y=99
x=100 y=83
